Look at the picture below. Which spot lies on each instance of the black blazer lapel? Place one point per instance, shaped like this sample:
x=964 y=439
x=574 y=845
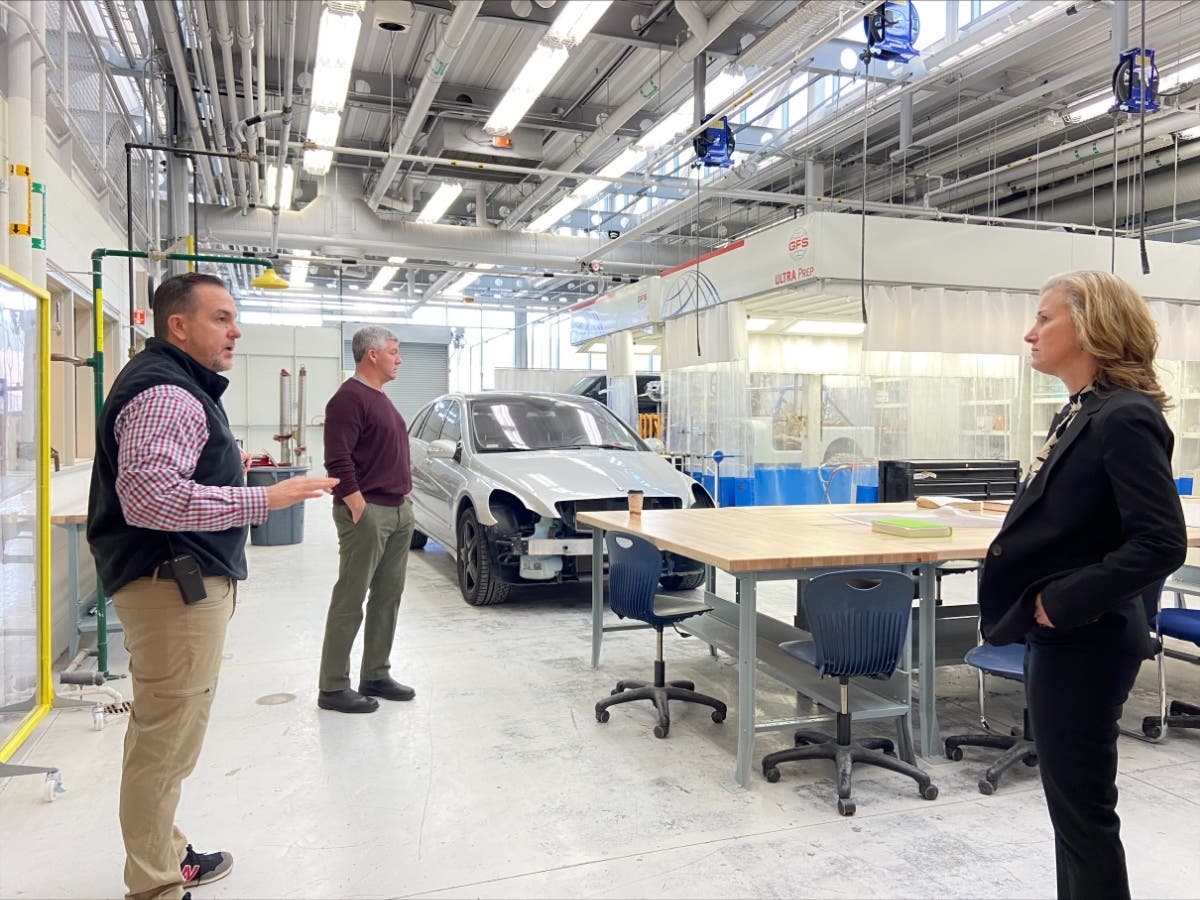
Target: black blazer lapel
x=1092 y=405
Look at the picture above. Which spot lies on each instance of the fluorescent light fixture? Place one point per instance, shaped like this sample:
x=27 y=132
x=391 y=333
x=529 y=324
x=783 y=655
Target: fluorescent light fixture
x=289 y=182
x=1091 y=108
x=337 y=39
x=317 y=162
x=553 y=214
x=468 y=279
x=323 y=127
x=446 y=194
x=1190 y=134
x=397 y=260
x=759 y=324
x=298 y=273
x=382 y=277
x=827 y=327
x=575 y=21
x=539 y=70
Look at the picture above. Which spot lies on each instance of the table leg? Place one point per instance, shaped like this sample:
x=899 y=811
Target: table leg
x=597 y=594
x=747 y=674
x=927 y=666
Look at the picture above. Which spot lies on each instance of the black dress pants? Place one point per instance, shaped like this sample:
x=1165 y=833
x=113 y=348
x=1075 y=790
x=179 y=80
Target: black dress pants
x=1075 y=686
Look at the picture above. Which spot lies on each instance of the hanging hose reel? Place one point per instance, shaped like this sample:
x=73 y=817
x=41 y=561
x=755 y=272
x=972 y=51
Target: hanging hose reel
x=892 y=30
x=714 y=145
x=1135 y=81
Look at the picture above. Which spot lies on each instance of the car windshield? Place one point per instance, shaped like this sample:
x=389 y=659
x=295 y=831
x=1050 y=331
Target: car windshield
x=546 y=423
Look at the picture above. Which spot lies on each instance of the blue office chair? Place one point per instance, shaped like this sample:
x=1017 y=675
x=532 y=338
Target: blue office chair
x=859 y=622
x=1006 y=661
x=635 y=566
x=1181 y=624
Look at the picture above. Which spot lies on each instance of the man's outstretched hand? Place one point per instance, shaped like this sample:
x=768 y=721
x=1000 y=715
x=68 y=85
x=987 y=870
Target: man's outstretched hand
x=291 y=491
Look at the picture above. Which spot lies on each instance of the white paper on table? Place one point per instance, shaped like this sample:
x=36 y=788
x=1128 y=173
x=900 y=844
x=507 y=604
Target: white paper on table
x=947 y=515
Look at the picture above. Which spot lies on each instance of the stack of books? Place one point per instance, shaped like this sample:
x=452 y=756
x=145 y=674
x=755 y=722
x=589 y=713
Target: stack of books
x=919 y=528
x=927 y=502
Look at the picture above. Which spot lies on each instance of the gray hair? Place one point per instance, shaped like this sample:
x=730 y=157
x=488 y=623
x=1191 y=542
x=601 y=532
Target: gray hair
x=370 y=337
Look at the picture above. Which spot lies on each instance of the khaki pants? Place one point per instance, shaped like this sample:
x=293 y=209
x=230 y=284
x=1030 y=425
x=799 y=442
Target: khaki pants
x=373 y=554
x=175 y=657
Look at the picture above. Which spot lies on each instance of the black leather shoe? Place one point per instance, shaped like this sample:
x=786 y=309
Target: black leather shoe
x=346 y=701
x=387 y=688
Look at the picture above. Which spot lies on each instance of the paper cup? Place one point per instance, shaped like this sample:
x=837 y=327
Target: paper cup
x=635 y=503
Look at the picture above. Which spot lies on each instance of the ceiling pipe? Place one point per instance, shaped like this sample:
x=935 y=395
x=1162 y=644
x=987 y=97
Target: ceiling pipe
x=676 y=66
x=690 y=12
x=225 y=39
x=260 y=46
x=342 y=211
x=1064 y=153
x=220 y=134
x=183 y=84
x=289 y=79
x=447 y=48
x=1162 y=189
x=1048 y=181
x=245 y=38
x=1158 y=164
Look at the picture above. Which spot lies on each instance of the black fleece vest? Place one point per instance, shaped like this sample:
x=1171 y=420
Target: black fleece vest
x=124 y=552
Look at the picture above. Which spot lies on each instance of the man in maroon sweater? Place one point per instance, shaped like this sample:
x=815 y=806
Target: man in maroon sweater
x=366 y=447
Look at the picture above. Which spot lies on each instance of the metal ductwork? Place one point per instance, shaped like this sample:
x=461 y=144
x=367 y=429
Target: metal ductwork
x=342 y=215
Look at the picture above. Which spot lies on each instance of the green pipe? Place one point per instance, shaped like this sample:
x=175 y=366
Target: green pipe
x=96 y=362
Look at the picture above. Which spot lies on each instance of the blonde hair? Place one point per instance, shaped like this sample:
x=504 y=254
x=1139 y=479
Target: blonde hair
x=1115 y=327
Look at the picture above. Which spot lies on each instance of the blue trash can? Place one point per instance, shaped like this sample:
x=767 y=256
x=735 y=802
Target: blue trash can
x=283 y=526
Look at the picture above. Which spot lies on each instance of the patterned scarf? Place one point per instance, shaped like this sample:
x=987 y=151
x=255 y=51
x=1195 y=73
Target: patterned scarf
x=1065 y=417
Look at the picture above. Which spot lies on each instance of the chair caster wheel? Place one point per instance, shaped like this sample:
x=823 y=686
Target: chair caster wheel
x=846 y=807
x=771 y=774
x=929 y=792
x=986 y=787
x=718 y=716
x=1152 y=727
x=954 y=753
x=660 y=731
x=1030 y=761
x=602 y=715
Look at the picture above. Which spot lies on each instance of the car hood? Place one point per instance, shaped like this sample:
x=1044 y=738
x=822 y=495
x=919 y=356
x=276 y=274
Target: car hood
x=545 y=477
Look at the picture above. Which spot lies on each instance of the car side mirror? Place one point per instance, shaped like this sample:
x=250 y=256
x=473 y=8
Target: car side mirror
x=441 y=449
x=655 y=444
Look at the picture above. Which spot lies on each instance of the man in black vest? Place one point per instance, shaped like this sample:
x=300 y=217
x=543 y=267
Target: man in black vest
x=168 y=516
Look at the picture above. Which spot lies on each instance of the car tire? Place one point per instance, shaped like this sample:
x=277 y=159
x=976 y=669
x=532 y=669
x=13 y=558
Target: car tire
x=477 y=576
x=418 y=541
x=682 y=582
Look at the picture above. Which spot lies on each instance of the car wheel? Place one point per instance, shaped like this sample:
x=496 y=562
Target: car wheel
x=681 y=582
x=419 y=540
x=476 y=575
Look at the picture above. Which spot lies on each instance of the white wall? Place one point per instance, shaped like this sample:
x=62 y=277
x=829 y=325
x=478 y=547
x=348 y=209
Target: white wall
x=253 y=396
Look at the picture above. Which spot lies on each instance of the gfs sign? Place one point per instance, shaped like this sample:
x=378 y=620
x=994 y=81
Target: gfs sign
x=798 y=244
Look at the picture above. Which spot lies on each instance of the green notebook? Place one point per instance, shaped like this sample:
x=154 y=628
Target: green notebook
x=911 y=527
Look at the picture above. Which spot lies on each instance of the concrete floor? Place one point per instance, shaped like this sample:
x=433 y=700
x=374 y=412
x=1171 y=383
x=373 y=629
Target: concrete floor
x=498 y=782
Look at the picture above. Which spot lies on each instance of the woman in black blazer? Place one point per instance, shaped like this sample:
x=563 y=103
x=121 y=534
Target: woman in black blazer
x=1096 y=524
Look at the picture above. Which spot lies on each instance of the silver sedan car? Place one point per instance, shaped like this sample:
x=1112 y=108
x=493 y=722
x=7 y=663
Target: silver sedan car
x=499 y=477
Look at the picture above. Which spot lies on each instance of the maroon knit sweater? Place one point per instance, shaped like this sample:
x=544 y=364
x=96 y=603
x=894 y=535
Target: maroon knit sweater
x=366 y=445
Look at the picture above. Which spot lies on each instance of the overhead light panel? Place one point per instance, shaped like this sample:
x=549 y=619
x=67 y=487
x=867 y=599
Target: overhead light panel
x=289 y=182
x=466 y=280
x=1091 y=108
x=298 y=273
x=1190 y=134
x=446 y=194
x=539 y=70
x=576 y=20
x=827 y=327
x=386 y=273
x=753 y=324
x=337 y=41
x=568 y=30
